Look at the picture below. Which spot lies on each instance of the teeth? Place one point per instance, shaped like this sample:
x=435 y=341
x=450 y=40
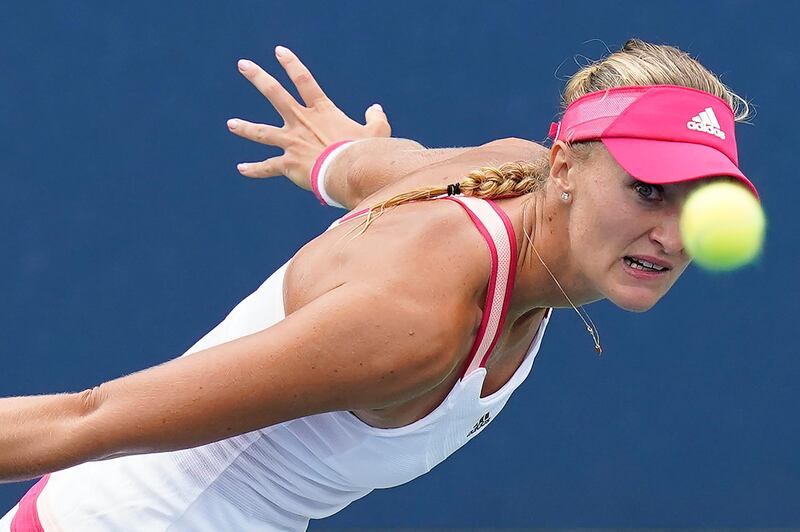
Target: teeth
x=643 y=265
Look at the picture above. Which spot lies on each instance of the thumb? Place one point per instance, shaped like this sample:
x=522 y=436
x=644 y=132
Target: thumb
x=377 y=122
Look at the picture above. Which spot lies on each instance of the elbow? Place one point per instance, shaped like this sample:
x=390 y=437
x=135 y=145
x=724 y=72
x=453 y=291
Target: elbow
x=89 y=401
x=86 y=432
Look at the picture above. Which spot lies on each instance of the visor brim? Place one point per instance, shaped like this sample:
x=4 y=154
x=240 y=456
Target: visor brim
x=661 y=162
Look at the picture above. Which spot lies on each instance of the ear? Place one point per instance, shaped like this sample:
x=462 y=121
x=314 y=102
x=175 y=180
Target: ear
x=561 y=161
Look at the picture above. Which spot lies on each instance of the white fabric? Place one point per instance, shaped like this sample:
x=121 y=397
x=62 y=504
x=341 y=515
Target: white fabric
x=277 y=478
x=5 y=522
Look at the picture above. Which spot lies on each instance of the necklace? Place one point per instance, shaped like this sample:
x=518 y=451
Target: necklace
x=590 y=328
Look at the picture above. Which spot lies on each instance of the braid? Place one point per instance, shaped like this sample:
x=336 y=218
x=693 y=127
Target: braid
x=509 y=179
x=506 y=180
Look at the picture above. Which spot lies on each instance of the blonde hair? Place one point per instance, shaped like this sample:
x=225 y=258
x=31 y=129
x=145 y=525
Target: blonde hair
x=636 y=63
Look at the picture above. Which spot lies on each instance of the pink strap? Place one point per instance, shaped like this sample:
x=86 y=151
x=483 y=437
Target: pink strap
x=27 y=517
x=318 y=165
x=497 y=230
x=350 y=216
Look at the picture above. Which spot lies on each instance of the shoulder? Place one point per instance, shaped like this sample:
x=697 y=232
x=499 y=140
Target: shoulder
x=427 y=255
x=515 y=147
x=495 y=152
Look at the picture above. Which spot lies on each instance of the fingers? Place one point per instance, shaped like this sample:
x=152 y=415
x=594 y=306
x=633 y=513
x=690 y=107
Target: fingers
x=269 y=168
x=376 y=121
x=283 y=102
x=307 y=86
x=261 y=133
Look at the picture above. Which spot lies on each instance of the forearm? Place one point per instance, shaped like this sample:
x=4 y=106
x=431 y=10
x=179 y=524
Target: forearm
x=37 y=435
x=370 y=164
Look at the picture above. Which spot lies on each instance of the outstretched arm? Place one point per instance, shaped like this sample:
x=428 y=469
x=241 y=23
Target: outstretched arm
x=329 y=355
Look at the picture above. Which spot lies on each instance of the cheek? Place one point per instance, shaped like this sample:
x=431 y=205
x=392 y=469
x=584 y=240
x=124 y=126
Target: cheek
x=604 y=227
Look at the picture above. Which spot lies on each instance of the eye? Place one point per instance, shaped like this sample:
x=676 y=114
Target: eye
x=648 y=192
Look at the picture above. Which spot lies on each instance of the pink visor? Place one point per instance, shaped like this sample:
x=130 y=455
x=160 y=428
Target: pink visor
x=659 y=134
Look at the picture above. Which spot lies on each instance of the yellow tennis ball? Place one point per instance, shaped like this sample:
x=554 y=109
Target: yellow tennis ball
x=722 y=225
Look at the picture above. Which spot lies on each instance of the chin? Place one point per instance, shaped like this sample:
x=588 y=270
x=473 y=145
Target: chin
x=634 y=300
x=636 y=308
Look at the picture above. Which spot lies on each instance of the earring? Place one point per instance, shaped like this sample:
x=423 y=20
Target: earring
x=565 y=196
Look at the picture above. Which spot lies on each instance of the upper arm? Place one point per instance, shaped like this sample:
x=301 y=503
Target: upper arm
x=372 y=165
x=359 y=346
x=376 y=163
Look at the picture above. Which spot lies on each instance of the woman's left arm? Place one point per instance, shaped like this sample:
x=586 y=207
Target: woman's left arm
x=363 y=345
x=29 y=427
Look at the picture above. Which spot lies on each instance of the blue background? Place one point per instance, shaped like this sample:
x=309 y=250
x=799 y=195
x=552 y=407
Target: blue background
x=127 y=234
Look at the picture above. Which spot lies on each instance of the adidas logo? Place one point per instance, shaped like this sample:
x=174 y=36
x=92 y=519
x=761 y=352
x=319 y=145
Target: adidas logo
x=480 y=424
x=706 y=122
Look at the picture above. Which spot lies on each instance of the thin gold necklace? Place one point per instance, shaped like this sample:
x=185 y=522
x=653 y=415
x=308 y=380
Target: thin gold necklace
x=590 y=328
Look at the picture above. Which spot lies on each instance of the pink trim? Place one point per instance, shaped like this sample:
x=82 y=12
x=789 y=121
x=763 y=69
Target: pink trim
x=350 y=216
x=492 y=283
x=318 y=164
x=27 y=517
x=512 y=274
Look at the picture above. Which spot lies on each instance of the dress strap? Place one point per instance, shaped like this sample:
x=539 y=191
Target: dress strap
x=495 y=227
x=349 y=216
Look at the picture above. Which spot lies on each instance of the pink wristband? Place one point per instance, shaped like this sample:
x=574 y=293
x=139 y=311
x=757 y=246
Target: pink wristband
x=318 y=173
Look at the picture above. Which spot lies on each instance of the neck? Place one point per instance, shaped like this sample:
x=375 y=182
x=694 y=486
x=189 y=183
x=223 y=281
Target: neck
x=545 y=220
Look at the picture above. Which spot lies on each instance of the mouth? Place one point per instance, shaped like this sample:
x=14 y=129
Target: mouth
x=643 y=269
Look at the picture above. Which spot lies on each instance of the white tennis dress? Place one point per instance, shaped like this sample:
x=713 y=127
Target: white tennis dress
x=279 y=477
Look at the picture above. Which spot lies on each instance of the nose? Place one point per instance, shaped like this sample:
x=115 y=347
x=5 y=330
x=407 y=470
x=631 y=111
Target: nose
x=667 y=234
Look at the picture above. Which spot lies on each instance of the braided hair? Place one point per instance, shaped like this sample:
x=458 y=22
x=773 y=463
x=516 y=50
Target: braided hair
x=504 y=181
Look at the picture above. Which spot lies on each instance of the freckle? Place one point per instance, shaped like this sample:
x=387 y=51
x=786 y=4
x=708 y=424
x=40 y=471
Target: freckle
x=163 y=421
x=549 y=218
x=360 y=363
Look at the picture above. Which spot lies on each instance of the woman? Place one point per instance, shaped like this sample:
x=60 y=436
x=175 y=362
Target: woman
x=393 y=338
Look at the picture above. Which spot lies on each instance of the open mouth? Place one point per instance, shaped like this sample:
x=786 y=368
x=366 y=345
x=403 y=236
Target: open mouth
x=642 y=269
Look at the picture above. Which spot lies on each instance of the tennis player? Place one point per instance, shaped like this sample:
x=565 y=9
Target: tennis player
x=397 y=335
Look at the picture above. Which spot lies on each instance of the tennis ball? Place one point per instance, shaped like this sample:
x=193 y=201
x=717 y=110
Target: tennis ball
x=722 y=226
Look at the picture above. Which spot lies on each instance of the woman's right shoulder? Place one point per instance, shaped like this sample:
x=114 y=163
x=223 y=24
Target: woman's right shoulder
x=511 y=149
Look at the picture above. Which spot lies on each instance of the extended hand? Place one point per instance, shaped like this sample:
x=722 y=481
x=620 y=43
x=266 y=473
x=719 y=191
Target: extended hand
x=307 y=130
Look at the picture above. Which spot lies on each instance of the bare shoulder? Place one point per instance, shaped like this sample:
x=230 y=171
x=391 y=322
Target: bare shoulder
x=495 y=152
x=426 y=256
x=515 y=148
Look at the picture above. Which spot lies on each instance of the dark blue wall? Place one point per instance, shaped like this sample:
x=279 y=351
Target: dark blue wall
x=127 y=234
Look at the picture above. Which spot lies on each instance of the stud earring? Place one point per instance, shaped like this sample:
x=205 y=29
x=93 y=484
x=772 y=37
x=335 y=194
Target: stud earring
x=565 y=196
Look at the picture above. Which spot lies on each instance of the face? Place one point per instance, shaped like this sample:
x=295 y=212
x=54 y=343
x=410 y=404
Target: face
x=613 y=218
